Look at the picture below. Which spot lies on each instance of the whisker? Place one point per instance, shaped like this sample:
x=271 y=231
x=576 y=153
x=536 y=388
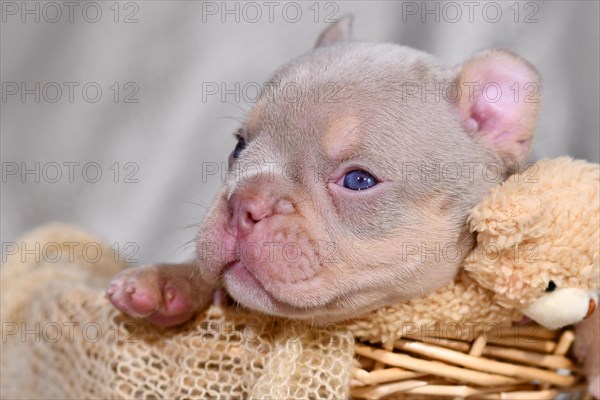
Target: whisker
x=231 y=117
x=182 y=247
x=238 y=106
x=200 y=204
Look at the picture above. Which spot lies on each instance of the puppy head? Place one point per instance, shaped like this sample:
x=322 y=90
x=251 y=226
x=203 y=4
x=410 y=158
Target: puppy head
x=354 y=174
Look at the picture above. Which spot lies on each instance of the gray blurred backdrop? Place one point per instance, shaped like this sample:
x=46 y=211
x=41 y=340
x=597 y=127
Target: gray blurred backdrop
x=157 y=119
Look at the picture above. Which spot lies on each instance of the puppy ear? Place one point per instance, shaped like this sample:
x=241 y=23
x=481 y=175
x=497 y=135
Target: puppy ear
x=500 y=102
x=338 y=32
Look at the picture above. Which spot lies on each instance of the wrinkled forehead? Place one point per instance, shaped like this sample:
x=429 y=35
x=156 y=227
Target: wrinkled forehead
x=342 y=100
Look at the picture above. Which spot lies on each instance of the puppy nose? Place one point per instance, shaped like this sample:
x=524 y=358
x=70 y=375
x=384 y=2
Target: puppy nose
x=245 y=211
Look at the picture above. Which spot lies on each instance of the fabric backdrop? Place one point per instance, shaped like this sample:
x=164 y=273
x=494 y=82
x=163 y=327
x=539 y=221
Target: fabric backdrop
x=156 y=120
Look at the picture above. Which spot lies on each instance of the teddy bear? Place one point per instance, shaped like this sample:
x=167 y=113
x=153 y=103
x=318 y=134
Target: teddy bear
x=538 y=242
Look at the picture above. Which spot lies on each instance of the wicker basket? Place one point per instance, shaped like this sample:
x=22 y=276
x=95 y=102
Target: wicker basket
x=524 y=363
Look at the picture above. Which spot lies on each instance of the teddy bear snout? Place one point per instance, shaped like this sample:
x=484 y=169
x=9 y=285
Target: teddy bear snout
x=562 y=307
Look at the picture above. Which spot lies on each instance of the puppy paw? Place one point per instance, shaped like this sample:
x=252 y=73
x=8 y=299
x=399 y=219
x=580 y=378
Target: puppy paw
x=156 y=293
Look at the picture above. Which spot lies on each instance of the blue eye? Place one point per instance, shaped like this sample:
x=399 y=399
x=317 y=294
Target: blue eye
x=359 y=180
x=241 y=145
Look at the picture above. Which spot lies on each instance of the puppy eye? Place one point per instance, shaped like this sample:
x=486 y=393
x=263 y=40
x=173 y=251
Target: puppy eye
x=551 y=286
x=359 y=180
x=241 y=145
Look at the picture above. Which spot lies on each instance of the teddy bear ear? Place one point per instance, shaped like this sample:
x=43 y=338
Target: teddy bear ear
x=508 y=215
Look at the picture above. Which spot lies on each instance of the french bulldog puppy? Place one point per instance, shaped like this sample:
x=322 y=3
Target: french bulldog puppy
x=354 y=192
